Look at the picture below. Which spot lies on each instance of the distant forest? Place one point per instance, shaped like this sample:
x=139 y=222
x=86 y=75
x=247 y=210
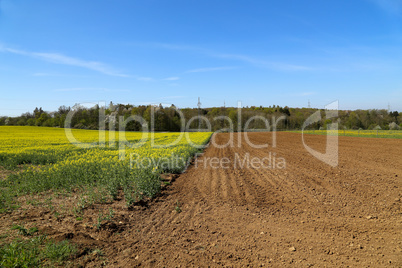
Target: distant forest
x=168 y=118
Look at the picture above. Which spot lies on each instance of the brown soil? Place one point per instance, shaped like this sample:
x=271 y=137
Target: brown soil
x=4 y=173
x=306 y=214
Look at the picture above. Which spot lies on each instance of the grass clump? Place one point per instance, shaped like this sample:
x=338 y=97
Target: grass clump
x=59 y=252
x=23 y=231
x=177 y=207
x=35 y=252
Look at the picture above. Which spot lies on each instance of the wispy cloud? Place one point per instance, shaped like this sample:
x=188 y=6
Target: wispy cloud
x=301 y=94
x=239 y=57
x=92 y=65
x=174 y=84
x=289 y=67
x=141 y=78
x=263 y=63
x=173 y=78
x=90 y=89
x=44 y=74
x=211 y=69
x=172 y=97
x=390 y=6
x=281 y=66
x=177 y=47
x=58 y=58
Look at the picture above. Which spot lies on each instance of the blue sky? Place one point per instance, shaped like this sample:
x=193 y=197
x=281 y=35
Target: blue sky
x=284 y=52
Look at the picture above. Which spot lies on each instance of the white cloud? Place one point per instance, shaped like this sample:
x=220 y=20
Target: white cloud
x=239 y=57
x=173 y=78
x=92 y=65
x=177 y=47
x=306 y=93
x=281 y=66
x=43 y=74
x=301 y=94
x=89 y=89
x=391 y=6
x=210 y=69
x=140 y=78
x=267 y=64
x=172 y=97
x=289 y=67
x=66 y=60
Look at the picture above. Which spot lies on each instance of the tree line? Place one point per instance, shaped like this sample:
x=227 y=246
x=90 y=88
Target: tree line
x=170 y=118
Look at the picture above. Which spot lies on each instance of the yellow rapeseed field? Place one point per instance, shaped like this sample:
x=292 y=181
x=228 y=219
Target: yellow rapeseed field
x=53 y=158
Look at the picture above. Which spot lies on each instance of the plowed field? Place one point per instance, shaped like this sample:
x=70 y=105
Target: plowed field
x=303 y=213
